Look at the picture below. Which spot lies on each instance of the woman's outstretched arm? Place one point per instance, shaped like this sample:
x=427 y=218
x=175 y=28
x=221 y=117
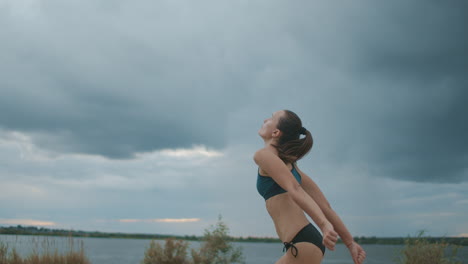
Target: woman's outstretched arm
x=312 y=189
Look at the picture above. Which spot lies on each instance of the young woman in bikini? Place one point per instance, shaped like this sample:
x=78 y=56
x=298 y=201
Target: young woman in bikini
x=289 y=193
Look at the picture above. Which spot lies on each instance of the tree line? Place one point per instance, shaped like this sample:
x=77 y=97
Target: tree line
x=41 y=231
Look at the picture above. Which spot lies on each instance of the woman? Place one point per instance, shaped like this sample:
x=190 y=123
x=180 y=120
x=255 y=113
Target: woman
x=289 y=192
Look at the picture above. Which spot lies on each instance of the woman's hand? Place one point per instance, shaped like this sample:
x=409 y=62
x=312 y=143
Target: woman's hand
x=357 y=253
x=329 y=236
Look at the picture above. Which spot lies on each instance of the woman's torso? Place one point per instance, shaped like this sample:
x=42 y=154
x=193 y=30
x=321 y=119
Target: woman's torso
x=287 y=216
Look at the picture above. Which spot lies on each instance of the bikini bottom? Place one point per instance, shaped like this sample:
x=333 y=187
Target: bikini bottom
x=307 y=234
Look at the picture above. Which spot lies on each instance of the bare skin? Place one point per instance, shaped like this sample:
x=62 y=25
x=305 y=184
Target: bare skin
x=287 y=210
x=289 y=219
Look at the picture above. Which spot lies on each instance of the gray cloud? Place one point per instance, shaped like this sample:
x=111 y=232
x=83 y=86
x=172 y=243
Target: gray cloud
x=415 y=61
x=384 y=84
x=379 y=83
x=114 y=87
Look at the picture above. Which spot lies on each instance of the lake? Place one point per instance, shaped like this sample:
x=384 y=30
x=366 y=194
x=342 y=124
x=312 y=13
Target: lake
x=131 y=251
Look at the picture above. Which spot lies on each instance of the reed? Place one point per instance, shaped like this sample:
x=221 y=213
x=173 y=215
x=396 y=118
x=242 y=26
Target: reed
x=45 y=251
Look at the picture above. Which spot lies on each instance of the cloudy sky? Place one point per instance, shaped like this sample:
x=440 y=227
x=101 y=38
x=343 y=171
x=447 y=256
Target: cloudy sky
x=142 y=116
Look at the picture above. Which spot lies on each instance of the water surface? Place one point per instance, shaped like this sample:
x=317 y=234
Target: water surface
x=131 y=251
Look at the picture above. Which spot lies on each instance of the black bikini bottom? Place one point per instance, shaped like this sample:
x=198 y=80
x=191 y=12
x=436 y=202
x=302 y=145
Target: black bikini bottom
x=307 y=234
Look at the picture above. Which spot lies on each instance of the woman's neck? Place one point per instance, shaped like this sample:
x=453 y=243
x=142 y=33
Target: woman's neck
x=270 y=142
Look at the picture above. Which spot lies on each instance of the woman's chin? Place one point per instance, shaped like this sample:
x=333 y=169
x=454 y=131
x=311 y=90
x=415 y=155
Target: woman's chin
x=261 y=134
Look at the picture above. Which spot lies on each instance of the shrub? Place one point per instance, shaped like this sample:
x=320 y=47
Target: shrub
x=215 y=249
x=174 y=252
x=420 y=250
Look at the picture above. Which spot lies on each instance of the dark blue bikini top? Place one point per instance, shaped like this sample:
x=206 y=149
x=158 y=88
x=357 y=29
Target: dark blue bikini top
x=268 y=188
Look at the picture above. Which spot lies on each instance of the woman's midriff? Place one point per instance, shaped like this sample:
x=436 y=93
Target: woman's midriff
x=287 y=216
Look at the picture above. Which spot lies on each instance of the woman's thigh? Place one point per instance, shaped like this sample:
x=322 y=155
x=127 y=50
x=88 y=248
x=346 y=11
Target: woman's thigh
x=308 y=253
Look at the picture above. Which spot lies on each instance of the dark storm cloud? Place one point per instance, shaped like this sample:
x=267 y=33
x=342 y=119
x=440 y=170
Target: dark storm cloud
x=416 y=53
x=383 y=82
x=123 y=80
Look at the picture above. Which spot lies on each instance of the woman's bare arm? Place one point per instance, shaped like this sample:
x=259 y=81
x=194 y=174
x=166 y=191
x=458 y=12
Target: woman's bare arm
x=312 y=189
x=280 y=173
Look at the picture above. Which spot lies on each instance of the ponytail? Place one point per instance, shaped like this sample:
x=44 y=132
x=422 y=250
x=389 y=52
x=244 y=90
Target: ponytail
x=290 y=146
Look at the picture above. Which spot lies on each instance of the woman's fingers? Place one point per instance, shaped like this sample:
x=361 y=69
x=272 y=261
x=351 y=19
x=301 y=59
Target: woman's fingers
x=357 y=253
x=361 y=256
x=330 y=239
x=329 y=245
x=358 y=259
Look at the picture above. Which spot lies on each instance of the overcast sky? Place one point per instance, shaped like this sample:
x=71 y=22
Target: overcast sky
x=142 y=116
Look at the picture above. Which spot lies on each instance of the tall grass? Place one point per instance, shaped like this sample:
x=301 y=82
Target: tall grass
x=419 y=250
x=44 y=252
x=215 y=249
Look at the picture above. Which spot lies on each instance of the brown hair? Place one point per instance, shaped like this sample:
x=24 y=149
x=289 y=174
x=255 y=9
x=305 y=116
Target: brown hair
x=290 y=146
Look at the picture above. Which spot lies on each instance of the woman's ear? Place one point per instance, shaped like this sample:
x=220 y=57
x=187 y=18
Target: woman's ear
x=276 y=133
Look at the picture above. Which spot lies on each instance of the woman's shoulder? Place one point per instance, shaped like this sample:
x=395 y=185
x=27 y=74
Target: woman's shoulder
x=262 y=157
x=263 y=153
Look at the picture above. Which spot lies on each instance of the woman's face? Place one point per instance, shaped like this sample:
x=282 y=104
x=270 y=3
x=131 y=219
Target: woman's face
x=269 y=128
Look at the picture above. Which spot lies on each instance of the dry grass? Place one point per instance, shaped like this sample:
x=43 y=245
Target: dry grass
x=215 y=249
x=44 y=252
x=174 y=252
x=420 y=250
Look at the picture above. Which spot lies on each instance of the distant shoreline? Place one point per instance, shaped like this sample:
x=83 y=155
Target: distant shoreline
x=40 y=231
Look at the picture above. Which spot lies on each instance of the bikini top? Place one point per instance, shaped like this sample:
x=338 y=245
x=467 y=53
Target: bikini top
x=268 y=188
